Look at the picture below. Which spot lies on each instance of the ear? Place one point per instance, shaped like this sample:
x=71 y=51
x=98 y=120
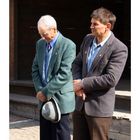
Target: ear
x=55 y=30
x=108 y=25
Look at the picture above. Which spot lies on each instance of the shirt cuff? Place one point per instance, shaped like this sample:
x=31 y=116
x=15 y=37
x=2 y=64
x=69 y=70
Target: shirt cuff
x=82 y=85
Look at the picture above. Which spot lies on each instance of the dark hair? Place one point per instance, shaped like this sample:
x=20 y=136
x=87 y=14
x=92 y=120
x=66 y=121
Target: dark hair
x=104 y=16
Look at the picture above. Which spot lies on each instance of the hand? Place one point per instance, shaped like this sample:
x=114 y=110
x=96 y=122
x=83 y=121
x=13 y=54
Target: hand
x=77 y=84
x=84 y=96
x=81 y=93
x=40 y=96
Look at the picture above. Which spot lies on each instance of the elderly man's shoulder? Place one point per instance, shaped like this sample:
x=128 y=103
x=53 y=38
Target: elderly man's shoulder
x=68 y=41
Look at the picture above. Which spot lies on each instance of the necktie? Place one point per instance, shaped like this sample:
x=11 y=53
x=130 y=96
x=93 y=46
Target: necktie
x=47 y=60
x=49 y=47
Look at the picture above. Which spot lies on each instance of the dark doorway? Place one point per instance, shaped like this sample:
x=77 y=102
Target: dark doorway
x=73 y=18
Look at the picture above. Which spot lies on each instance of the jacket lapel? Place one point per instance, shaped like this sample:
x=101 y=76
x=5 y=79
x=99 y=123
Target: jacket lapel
x=85 y=54
x=101 y=52
x=54 y=54
x=42 y=51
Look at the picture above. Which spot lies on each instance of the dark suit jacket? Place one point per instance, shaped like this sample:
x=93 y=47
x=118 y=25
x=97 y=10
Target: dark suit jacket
x=60 y=85
x=99 y=83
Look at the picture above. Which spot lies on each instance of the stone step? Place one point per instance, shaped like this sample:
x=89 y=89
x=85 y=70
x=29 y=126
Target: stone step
x=23 y=99
x=27 y=105
x=24 y=105
x=123 y=100
x=123 y=97
x=22 y=87
x=26 y=87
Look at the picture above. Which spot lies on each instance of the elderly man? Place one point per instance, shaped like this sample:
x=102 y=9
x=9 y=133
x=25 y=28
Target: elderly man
x=52 y=77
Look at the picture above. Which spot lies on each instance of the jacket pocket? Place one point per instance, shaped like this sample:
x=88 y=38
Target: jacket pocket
x=67 y=88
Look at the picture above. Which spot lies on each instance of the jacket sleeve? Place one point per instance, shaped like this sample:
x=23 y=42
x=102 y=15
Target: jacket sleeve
x=64 y=73
x=77 y=67
x=112 y=74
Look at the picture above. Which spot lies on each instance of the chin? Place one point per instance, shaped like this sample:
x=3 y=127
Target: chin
x=93 y=33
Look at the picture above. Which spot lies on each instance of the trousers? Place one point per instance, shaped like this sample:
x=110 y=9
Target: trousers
x=90 y=128
x=55 y=131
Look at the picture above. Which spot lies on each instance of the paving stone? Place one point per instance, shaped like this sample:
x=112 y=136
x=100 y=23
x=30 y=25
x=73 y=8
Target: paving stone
x=24 y=129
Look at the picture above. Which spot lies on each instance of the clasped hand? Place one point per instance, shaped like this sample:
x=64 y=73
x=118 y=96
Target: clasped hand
x=40 y=96
x=78 y=88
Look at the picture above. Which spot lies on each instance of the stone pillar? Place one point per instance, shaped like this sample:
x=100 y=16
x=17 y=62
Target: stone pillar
x=13 y=40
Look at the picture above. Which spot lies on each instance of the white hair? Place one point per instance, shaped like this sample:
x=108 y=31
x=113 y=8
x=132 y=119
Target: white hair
x=47 y=20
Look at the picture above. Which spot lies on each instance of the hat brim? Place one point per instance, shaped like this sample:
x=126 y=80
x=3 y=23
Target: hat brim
x=56 y=109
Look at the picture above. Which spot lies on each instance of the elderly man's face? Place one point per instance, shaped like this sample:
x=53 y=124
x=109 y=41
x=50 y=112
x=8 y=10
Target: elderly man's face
x=47 y=33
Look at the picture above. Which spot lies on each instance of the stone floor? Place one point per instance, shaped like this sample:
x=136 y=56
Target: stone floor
x=23 y=128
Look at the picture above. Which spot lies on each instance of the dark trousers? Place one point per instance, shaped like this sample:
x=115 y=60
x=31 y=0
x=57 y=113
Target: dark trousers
x=55 y=131
x=90 y=128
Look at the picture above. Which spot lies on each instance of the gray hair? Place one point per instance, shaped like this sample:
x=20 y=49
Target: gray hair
x=104 y=16
x=47 y=20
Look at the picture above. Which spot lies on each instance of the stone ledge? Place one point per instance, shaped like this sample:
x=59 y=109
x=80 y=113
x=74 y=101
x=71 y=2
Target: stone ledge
x=26 y=83
x=23 y=99
x=122 y=114
x=123 y=94
x=118 y=114
x=28 y=99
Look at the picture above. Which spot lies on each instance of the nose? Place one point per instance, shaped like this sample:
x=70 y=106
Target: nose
x=91 y=26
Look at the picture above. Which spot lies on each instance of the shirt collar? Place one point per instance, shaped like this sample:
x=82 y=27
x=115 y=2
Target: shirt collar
x=52 y=43
x=103 y=42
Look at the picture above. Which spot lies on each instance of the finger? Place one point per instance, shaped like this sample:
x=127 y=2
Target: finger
x=84 y=96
